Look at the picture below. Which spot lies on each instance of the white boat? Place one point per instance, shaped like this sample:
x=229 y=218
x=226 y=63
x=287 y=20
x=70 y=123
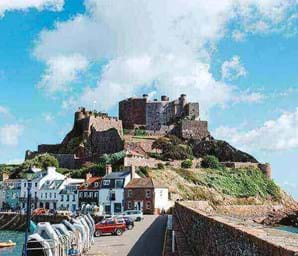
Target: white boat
x=58 y=239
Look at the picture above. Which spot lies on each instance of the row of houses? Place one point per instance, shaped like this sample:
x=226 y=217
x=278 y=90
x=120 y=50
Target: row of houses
x=113 y=193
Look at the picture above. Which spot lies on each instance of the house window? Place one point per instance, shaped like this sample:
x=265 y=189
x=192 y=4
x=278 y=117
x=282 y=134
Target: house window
x=85 y=194
x=62 y=197
x=36 y=184
x=96 y=184
x=95 y=194
x=81 y=194
x=148 y=193
x=148 y=205
x=50 y=195
x=118 y=183
x=54 y=195
x=112 y=196
x=129 y=205
x=67 y=199
x=160 y=193
x=129 y=193
x=117 y=207
x=46 y=195
x=90 y=194
x=106 y=182
x=73 y=198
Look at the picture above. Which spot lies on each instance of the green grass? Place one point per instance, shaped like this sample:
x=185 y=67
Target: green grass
x=238 y=183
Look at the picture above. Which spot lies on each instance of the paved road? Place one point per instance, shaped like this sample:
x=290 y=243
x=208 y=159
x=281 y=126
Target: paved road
x=146 y=239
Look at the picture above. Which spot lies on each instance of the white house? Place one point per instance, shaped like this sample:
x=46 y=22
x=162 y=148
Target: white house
x=111 y=194
x=40 y=178
x=68 y=198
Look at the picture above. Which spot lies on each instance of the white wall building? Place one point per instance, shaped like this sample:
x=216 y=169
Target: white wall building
x=111 y=194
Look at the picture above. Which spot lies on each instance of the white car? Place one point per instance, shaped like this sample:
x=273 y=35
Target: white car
x=133 y=214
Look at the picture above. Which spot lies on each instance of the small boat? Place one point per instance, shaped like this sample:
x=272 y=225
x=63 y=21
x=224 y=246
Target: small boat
x=7 y=244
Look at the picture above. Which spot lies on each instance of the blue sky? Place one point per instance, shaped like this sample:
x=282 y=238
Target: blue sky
x=237 y=58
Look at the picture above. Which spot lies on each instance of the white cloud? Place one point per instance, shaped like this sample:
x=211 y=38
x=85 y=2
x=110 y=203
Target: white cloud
x=11 y=5
x=238 y=36
x=249 y=97
x=4 y=110
x=48 y=117
x=61 y=71
x=232 y=69
x=163 y=46
x=274 y=135
x=10 y=134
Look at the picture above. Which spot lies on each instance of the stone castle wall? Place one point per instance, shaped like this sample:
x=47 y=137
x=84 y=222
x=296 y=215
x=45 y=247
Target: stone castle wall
x=105 y=141
x=132 y=112
x=214 y=235
x=193 y=129
x=105 y=123
x=265 y=168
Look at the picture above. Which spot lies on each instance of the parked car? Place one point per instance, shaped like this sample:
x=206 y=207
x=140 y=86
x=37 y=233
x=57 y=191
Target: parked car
x=39 y=211
x=129 y=222
x=109 y=226
x=135 y=215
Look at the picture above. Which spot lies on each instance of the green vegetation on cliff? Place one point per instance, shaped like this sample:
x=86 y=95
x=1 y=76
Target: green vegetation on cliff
x=219 y=185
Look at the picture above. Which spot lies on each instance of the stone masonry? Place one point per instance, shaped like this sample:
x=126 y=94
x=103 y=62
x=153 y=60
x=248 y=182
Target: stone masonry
x=164 y=116
x=212 y=235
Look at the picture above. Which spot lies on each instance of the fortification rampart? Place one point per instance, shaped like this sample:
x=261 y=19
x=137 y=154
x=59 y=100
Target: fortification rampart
x=215 y=235
x=265 y=168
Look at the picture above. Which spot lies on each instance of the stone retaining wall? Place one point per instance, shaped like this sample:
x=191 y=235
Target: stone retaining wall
x=211 y=235
x=17 y=221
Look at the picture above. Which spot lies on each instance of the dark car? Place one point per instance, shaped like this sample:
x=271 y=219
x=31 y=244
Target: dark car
x=128 y=222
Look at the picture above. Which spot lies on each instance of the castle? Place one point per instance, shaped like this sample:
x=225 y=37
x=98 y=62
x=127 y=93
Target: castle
x=94 y=134
x=163 y=117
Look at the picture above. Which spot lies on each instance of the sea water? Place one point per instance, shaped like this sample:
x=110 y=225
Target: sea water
x=289 y=229
x=15 y=236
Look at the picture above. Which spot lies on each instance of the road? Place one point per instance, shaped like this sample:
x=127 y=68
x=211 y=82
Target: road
x=146 y=239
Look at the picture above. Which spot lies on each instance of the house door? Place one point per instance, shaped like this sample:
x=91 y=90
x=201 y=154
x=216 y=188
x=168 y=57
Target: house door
x=138 y=205
x=47 y=205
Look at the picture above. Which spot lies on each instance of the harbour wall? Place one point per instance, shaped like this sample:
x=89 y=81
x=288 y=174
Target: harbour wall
x=212 y=235
x=17 y=221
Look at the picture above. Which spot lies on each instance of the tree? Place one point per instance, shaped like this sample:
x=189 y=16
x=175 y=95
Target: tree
x=211 y=162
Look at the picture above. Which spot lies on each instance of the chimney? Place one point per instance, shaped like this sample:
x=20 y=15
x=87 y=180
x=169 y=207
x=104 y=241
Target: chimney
x=164 y=98
x=88 y=176
x=132 y=171
x=51 y=170
x=108 y=169
x=5 y=176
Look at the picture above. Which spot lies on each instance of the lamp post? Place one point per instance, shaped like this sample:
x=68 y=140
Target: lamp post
x=28 y=212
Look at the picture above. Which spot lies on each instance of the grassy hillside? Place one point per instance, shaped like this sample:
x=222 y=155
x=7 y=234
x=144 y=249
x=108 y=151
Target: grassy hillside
x=224 y=186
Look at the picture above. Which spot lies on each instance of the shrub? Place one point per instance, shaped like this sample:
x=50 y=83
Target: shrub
x=160 y=166
x=186 y=164
x=211 y=162
x=144 y=170
x=41 y=161
x=140 y=132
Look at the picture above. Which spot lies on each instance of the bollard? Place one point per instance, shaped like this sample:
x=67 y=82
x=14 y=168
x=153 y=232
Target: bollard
x=173 y=241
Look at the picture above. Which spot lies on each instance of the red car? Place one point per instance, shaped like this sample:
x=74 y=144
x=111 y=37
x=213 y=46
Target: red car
x=110 y=226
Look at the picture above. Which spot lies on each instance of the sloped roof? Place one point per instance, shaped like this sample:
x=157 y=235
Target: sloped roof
x=116 y=175
x=144 y=183
x=54 y=184
x=90 y=183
